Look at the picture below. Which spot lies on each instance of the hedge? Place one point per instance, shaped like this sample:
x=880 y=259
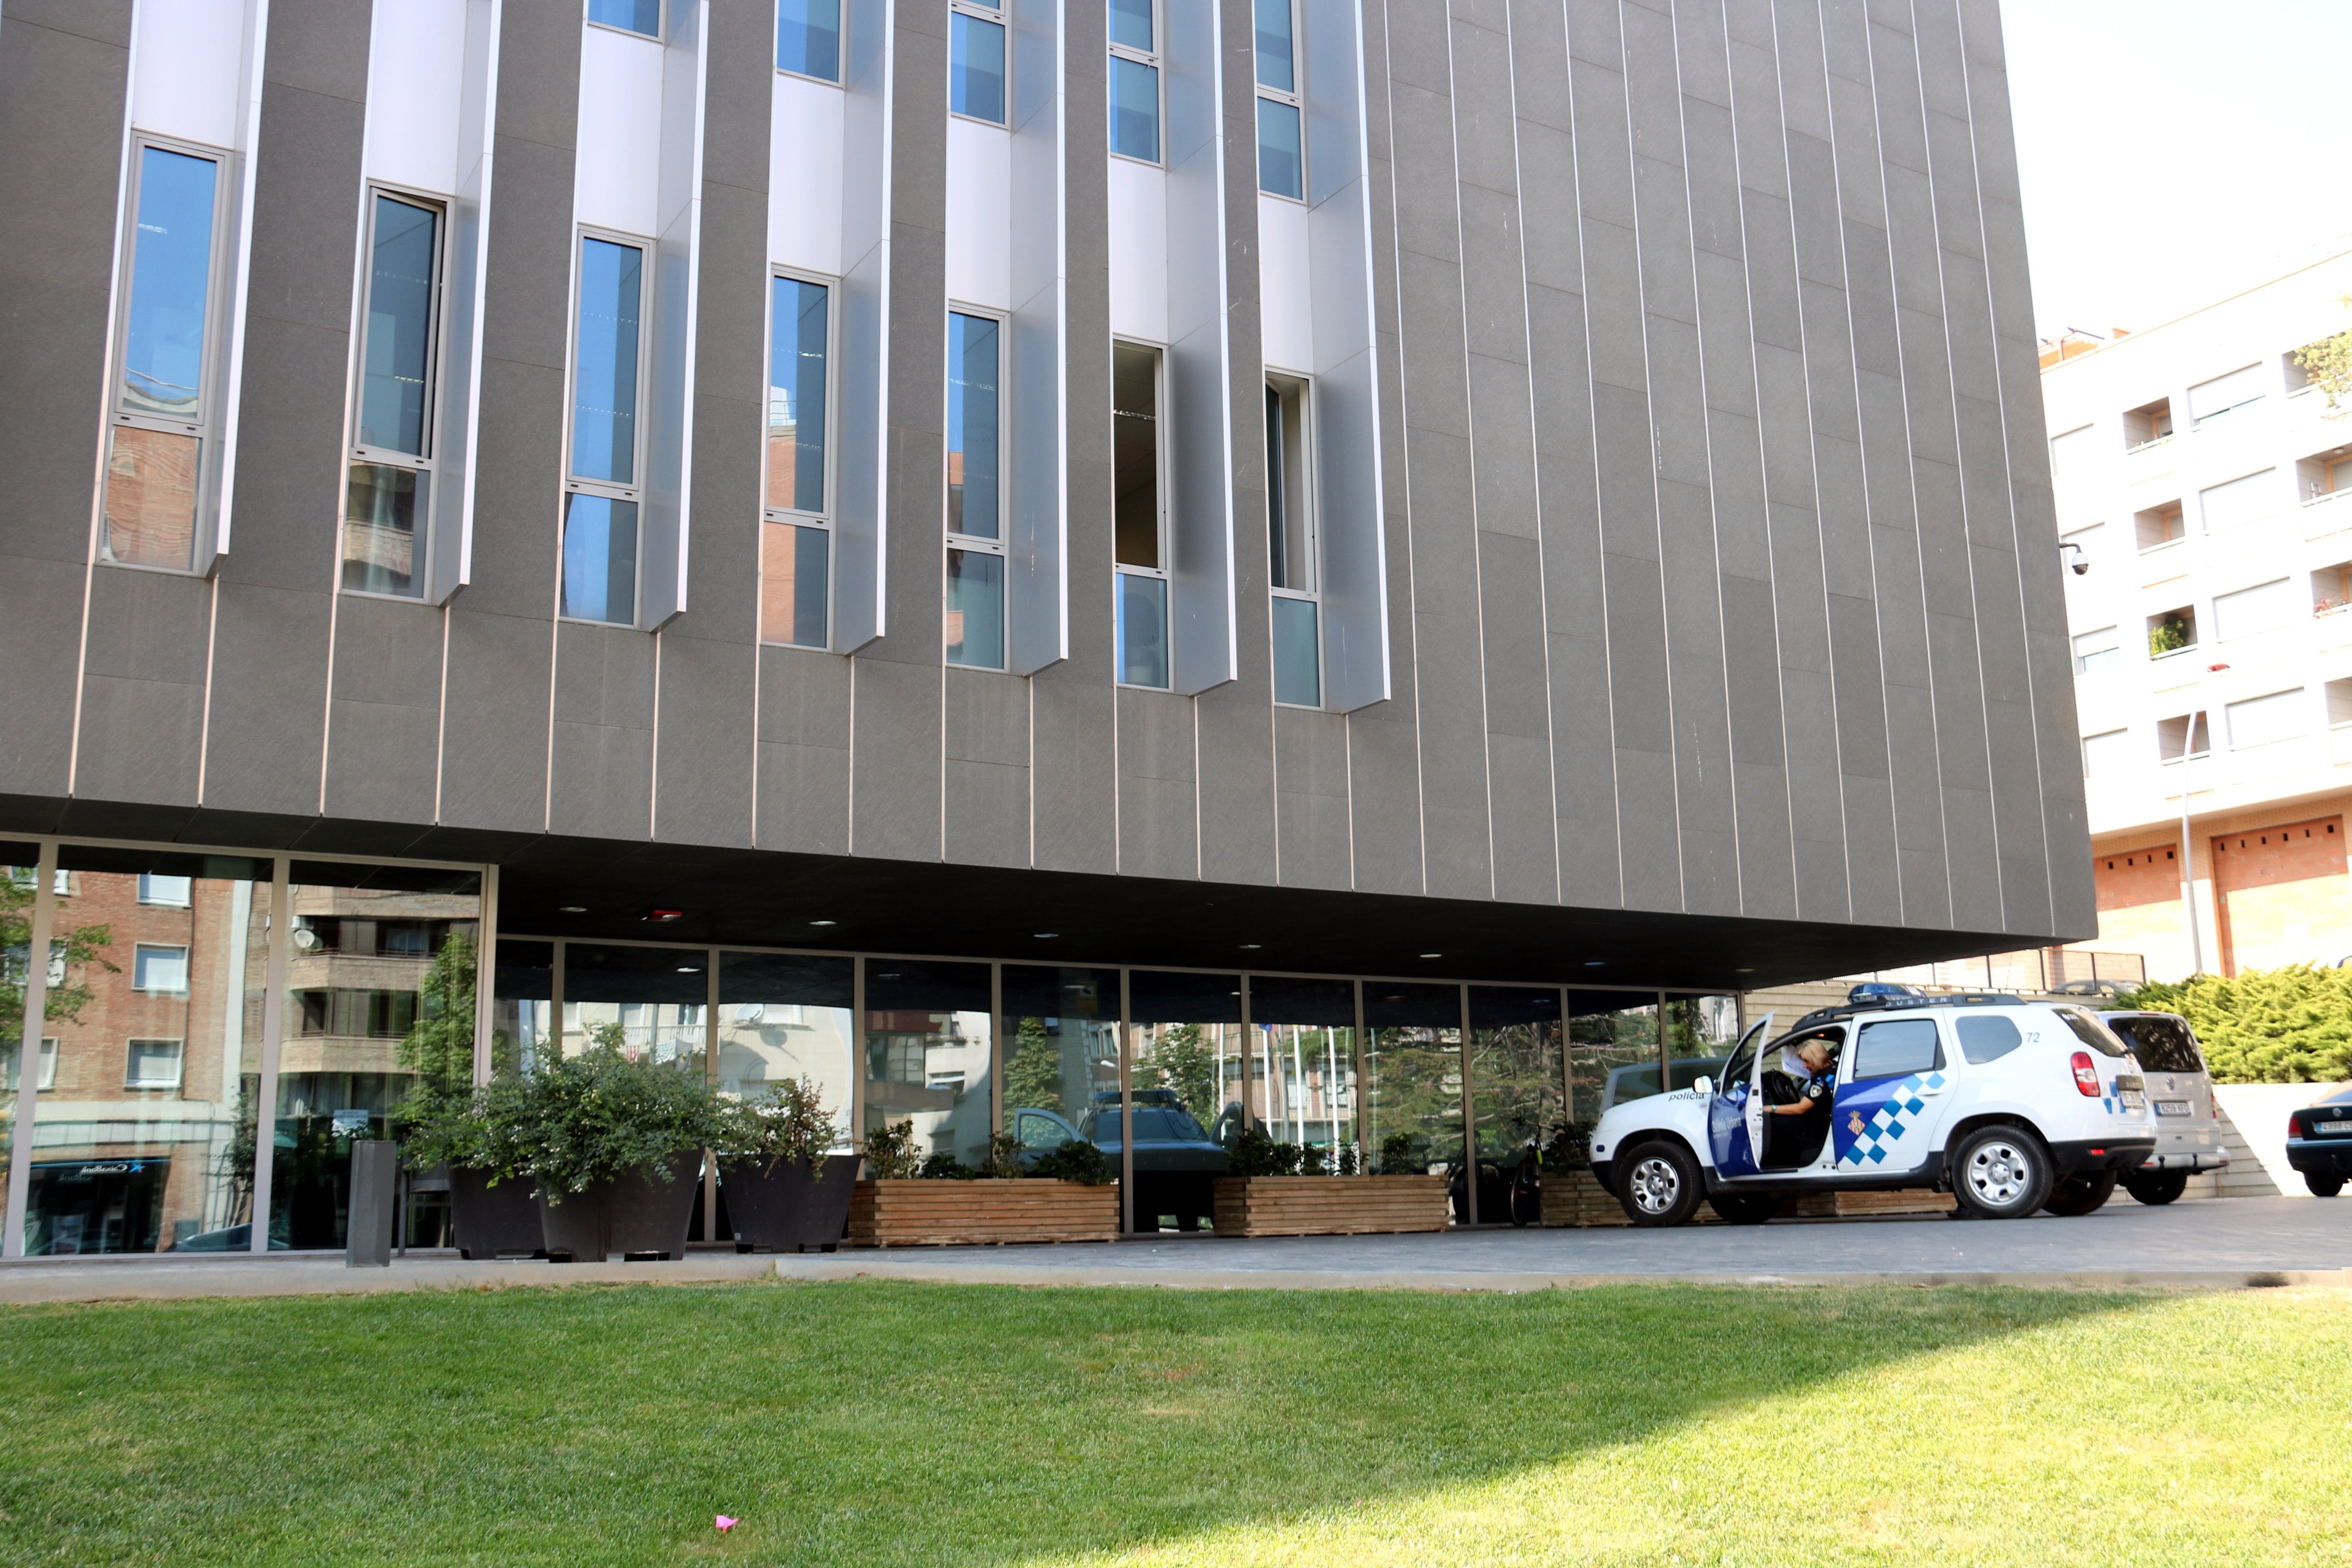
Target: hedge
x=2266 y=1025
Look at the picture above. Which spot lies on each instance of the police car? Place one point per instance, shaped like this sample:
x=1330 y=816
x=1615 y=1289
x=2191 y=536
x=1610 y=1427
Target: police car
x=2012 y=1106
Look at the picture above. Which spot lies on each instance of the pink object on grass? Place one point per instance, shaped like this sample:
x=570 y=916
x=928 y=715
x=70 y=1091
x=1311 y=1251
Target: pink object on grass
x=724 y=1523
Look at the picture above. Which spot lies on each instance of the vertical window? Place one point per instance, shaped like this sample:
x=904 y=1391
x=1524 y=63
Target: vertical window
x=389 y=485
x=153 y=1064
x=1134 y=80
x=795 y=540
x=1290 y=519
x=600 y=518
x=808 y=38
x=164 y=412
x=976 y=61
x=163 y=970
x=1140 y=517
x=165 y=892
x=975 y=569
x=1281 y=157
x=629 y=15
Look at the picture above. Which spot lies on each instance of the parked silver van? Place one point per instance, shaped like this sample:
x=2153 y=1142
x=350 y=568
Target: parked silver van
x=2188 y=1127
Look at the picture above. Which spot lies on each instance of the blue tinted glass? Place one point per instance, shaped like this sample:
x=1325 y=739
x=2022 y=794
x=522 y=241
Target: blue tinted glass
x=808 y=38
x=1273 y=64
x=976 y=68
x=600 y=559
x=399 y=351
x=972 y=401
x=1143 y=630
x=975 y=625
x=808 y=581
x=605 y=389
x=1131 y=24
x=636 y=16
x=1278 y=164
x=171 y=279
x=1134 y=110
x=1296 y=676
x=796 y=385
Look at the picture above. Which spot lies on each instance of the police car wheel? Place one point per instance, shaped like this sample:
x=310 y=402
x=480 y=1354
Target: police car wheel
x=2158 y=1191
x=2322 y=1184
x=1658 y=1185
x=2001 y=1172
x=2084 y=1191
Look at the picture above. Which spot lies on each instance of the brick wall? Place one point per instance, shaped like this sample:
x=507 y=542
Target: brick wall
x=2284 y=895
x=2138 y=891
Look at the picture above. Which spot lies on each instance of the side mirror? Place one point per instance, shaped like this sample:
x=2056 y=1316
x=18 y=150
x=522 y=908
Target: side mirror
x=1704 y=1086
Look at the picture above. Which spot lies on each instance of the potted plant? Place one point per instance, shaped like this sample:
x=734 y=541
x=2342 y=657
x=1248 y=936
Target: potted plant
x=1572 y=1196
x=491 y=1204
x=785 y=1191
x=613 y=1144
x=907 y=1199
x=1282 y=1189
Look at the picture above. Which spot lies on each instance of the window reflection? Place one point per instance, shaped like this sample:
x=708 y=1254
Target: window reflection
x=1061 y=1059
x=784 y=1017
x=1612 y=1051
x=928 y=1042
x=1412 y=1079
x=1518 y=1085
x=1186 y=1050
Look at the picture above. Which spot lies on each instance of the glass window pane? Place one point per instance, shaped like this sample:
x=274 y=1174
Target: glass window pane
x=636 y=16
x=975 y=609
x=1280 y=168
x=1700 y=1032
x=976 y=68
x=150 y=498
x=1613 y=1052
x=793 y=583
x=1413 y=1096
x=1297 y=672
x=973 y=490
x=1134 y=110
x=646 y=1002
x=797 y=394
x=605 y=386
x=380 y=511
x=143 y=1140
x=1134 y=454
x=784 y=1017
x=1063 y=1059
x=522 y=988
x=928 y=1054
x=1302 y=1075
x=1290 y=536
x=1131 y=24
x=171 y=282
x=1274 y=52
x=808 y=38
x=1516 y=1085
x=600 y=559
x=397 y=359
x=1143 y=630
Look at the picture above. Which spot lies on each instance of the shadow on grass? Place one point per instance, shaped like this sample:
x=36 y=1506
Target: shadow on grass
x=866 y=1422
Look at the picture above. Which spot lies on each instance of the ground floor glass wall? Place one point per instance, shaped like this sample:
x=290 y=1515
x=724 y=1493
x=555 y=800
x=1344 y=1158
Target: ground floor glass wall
x=929 y=1054
x=1185 y=1031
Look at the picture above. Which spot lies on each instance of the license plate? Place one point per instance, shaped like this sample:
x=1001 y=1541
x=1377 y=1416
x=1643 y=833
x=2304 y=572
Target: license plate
x=2332 y=1129
x=2133 y=1100
x=2172 y=1108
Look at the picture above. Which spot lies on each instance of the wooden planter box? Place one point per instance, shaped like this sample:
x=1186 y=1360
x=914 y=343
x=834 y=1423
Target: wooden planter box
x=954 y=1214
x=1847 y=1205
x=1329 y=1205
x=1573 y=1198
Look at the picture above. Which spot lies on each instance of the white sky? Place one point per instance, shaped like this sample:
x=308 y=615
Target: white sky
x=2174 y=152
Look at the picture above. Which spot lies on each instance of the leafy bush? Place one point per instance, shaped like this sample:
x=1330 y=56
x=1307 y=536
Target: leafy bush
x=1397 y=1158
x=586 y=1119
x=1075 y=1161
x=890 y=1154
x=789 y=1125
x=1569 y=1147
x=2271 y=1025
x=1254 y=1154
x=944 y=1167
x=1003 y=1157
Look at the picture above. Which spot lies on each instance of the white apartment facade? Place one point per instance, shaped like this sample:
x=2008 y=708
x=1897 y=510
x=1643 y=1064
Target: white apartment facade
x=2206 y=485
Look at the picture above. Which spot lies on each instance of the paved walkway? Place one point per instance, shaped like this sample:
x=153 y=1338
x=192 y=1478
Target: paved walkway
x=2221 y=1244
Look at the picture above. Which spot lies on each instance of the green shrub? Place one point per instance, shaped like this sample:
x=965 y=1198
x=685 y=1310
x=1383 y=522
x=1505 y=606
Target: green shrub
x=890 y=1154
x=1569 y=1147
x=787 y=1125
x=2269 y=1026
x=1397 y=1158
x=581 y=1120
x=1075 y=1161
x=1254 y=1154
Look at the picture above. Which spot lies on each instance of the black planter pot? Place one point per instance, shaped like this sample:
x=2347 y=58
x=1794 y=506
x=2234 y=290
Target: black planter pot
x=786 y=1209
x=636 y=1215
x=493 y=1222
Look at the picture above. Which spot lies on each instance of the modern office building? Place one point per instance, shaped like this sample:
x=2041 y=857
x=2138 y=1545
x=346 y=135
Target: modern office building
x=2201 y=478
x=1357 y=565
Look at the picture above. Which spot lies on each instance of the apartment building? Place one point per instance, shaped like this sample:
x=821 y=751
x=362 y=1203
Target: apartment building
x=2204 y=490
x=1356 y=565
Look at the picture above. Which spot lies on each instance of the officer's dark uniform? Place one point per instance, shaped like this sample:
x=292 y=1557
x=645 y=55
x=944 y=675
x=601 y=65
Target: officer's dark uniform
x=1794 y=1139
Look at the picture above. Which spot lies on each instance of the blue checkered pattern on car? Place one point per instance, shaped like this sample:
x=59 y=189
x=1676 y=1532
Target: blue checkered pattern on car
x=1887 y=1122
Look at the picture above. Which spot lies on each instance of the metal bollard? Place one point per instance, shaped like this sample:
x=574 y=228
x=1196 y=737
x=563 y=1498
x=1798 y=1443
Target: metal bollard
x=375 y=1170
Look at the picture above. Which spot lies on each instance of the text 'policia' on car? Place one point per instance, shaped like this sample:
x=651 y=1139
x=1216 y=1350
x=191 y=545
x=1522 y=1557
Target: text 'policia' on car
x=2012 y=1106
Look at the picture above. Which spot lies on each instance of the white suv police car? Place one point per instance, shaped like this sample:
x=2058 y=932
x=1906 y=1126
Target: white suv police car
x=2012 y=1106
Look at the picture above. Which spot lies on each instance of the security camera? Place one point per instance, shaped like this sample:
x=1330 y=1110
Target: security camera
x=2082 y=568
x=2080 y=563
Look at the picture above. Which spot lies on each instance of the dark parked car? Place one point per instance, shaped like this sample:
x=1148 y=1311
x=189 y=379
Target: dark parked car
x=1176 y=1160
x=2319 y=1144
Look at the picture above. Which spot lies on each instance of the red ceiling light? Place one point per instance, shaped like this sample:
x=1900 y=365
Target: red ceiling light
x=663 y=917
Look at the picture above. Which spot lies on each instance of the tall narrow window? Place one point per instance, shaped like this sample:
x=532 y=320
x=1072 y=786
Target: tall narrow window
x=1135 y=79
x=629 y=15
x=600 y=520
x=1290 y=543
x=164 y=404
x=1281 y=152
x=808 y=38
x=1140 y=517
x=976 y=61
x=386 y=498
x=795 y=539
x=975 y=567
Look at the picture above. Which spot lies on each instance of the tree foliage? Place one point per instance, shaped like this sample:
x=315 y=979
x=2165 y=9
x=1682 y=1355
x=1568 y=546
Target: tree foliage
x=79 y=947
x=2271 y=1025
x=2329 y=362
x=1184 y=1062
x=1033 y=1074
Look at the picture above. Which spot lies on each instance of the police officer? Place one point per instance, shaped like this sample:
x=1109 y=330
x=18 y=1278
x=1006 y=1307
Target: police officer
x=1814 y=1090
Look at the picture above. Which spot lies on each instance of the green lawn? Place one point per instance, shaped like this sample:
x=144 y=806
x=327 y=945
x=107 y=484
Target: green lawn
x=874 y=1423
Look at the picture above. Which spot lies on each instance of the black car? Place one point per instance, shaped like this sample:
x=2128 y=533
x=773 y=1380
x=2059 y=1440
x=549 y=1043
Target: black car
x=2319 y=1144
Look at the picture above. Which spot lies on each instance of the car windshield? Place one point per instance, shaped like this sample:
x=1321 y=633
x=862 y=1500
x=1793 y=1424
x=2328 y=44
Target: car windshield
x=2162 y=1045
x=2091 y=1032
